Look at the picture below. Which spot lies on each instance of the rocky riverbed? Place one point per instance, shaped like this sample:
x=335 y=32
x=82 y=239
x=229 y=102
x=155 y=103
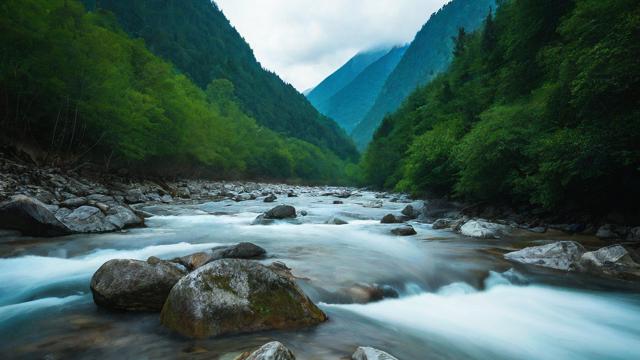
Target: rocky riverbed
x=96 y=266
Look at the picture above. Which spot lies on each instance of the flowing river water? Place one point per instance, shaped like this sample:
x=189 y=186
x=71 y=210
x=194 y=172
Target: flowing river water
x=454 y=301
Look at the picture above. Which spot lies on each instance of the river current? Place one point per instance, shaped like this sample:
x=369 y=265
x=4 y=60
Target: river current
x=455 y=300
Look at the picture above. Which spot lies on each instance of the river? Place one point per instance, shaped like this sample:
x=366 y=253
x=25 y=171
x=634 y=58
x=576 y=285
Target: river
x=454 y=301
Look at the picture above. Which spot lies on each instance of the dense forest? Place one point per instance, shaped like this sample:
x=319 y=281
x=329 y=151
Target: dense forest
x=540 y=106
x=198 y=39
x=428 y=54
x=78 y=87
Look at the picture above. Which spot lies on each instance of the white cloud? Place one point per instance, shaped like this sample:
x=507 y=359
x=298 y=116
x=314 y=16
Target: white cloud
x=304 y=41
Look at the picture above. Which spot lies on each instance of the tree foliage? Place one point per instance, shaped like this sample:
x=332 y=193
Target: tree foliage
x=73 y=83
x=541 y=107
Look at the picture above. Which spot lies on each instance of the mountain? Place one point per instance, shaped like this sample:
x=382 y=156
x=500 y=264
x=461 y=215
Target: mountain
x=429 y=54
x=77 y=89
x=349 y=105
x=341 y=77
x=540 y=107
x=199 y=40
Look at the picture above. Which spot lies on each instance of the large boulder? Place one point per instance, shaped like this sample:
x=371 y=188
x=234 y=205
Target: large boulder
x=88 y=219
x=270 y=351
x=30 y=217
x=242 y=250
x=561 y=255
x=611 y=260
x=369 y=353
x=134 y=285
x=483 y=229
x=281 y=212
x=233 y=296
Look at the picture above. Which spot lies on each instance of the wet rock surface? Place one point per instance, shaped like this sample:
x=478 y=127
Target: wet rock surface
x=232 y=296
x=369 y=353
x=134 y=285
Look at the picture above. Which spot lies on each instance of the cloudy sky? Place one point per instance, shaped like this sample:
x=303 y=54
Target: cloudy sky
x=303 y=41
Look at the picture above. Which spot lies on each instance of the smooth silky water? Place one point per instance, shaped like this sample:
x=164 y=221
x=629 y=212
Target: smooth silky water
x=454 y=303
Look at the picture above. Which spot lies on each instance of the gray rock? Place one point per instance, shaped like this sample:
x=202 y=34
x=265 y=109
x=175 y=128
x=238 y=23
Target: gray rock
x=123 y=217
x=166 y=199
x=375 y=204
x=336 y=221
x=242 y=197
x=610 y=231
x=405 y=230
x=391 y=219
x=483 y=229
x=134 y=285
x=441 y=224
x=88 y=219
x=281 y=212
x=270 y=351
x=414 y=210
x=262 y=220
x=100 y=198
x=634 y=234
x=135 y=196
x=369 y=353
x=561 y=255
x=270 y=198
x=30 y=217
x=244 y=250
x=233 y=296
x=610 y=260
x=74 y=202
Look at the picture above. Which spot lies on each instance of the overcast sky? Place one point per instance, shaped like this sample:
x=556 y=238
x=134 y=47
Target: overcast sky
x=304 y=41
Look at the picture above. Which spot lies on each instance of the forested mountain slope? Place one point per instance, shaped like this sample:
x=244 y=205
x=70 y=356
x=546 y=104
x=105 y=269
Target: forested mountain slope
x=428 y=55
x=323 y=92
x=78 y=88
x=198 y=39
x=540 y=107
x=349 y=105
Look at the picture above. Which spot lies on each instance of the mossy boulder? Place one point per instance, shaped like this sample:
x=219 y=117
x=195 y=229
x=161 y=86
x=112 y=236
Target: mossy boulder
x=232 y=296
x=135 y=285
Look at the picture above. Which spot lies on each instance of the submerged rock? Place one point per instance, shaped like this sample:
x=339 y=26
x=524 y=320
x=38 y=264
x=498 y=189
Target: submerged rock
x=270 y=198
x=134 y=285
x=336 y=221
x=483 y=229
x=369 y=353
x=270 y=351
x=30 y=217
x=365 y=293
x=405 y=230
x=244 y=250
x=232 y=296
x=561 y=255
